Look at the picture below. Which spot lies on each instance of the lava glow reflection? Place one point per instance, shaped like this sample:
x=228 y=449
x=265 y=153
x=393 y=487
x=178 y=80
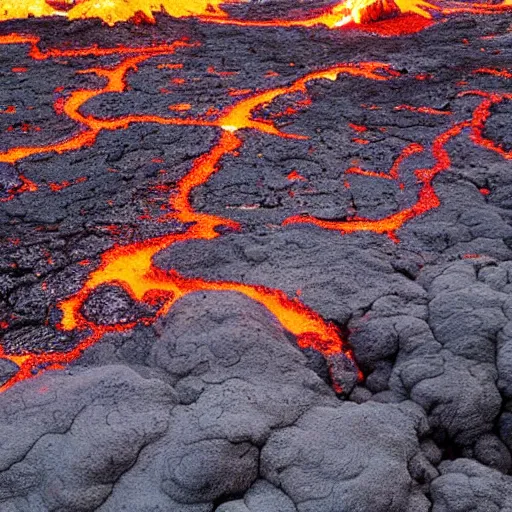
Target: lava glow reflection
x=131 y=266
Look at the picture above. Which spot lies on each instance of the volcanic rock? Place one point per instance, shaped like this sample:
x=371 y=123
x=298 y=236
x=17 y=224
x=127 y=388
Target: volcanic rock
x=466 y=484
x=148 y=276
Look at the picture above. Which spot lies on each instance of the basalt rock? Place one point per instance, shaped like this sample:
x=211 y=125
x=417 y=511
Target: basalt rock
x=163 y=388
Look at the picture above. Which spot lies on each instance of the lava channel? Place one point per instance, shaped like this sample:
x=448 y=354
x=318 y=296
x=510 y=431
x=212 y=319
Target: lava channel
x=130 y=266
x=427 y=196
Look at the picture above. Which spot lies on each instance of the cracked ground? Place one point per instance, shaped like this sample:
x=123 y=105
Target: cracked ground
x=255 y=269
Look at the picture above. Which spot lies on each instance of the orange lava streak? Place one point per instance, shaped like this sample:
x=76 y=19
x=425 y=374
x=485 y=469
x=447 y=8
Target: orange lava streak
x=476 y=8
x=57 y=187
x=204 y=167
x=408 y=151
x=502 y=73
x=115 y=77
x=480 y=117
x=131 y=266
x=93 y=51
x=424 y=110
x=427 y=197
x=180 y=107
x=239 y=115
x=26 y=186
x=384 y=17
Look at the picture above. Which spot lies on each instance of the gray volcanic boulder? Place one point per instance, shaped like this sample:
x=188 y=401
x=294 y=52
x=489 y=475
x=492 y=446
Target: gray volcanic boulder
x=447 y=351
x=467 y=485
x=350 y=458
x=261 y=497
x=67 y=439
x=252 y=388
x=240 y=423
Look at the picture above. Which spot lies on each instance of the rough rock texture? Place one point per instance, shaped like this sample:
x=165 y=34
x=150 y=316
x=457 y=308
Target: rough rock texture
x=238 y=401
x=467 y=485
x=213 y=407
x=67 y=439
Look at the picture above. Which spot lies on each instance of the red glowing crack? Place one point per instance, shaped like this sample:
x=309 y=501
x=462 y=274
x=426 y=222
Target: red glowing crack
x=131 y=266
x=427 y=197
x=387 y=18
x=384 y=17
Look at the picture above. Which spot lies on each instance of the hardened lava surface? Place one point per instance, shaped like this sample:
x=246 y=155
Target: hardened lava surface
x=249 y=267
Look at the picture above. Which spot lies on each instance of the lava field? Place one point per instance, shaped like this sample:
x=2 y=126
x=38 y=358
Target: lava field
x=256 y=260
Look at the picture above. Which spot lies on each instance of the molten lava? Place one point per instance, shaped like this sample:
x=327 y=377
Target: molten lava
x=131 y=267
x=13 y=9
x=114 y=11
x=111 y=11
x=385 y=17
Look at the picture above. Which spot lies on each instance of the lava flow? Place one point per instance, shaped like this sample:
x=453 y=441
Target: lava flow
x=427 y=197
x=123 y=10
x=112 y=11
x=384 y=17
x=14 y=9
x=130 y=266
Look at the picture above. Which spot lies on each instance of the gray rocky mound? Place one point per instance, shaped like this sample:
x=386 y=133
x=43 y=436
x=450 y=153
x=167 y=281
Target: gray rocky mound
x=224 y=413
x=235 y=412
x=214 y=408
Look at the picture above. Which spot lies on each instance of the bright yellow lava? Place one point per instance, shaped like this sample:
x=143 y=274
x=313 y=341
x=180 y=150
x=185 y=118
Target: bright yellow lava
x=11 y=9
x=366 y=11
x=337 y=15
x=416 y=7
x=114 y=11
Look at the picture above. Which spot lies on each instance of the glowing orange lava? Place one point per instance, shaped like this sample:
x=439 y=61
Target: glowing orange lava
x=131 y=266
x=427 y=197
x=114 y=11
x=26 y=186
x=424 y=110
x=384 y=17
x=111 y=11
x=12 y=9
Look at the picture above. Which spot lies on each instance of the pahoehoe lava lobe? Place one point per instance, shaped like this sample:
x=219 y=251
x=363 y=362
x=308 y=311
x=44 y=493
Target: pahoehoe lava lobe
x=257 y=258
